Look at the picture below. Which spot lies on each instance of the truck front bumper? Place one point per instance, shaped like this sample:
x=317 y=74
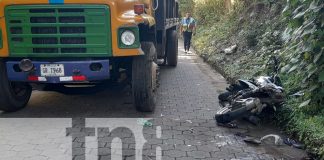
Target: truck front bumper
x=73 y=71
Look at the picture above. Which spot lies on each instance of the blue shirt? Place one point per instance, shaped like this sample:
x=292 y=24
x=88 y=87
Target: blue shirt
x=188 y=24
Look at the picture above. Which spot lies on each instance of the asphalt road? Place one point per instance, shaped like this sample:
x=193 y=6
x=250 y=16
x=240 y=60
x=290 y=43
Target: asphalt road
x=181 y=128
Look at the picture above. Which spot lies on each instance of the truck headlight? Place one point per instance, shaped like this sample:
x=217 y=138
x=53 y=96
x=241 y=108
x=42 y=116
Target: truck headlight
x=128 y=38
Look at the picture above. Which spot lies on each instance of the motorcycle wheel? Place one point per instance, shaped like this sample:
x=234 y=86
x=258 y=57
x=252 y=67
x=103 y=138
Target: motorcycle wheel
x=227 y=115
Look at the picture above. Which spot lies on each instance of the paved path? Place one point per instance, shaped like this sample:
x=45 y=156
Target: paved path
x=183 y=124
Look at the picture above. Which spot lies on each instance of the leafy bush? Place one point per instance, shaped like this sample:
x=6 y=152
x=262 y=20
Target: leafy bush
x=304 y=52
x=251 y=39
x=304 y=70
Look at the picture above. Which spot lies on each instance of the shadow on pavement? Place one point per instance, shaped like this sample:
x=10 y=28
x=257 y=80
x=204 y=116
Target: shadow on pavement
x=101 y=101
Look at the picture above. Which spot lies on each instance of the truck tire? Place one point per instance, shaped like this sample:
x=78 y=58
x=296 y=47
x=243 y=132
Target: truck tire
x=172 y=48
x=13 y=96
x=144 y=79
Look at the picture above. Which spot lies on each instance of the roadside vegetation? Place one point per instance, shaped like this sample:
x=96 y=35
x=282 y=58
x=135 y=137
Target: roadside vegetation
x=259 y=29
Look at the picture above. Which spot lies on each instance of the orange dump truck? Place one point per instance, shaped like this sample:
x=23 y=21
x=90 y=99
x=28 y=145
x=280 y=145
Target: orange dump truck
x=68 y=42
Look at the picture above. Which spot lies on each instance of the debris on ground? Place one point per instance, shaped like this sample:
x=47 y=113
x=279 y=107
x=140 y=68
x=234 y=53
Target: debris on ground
x=144 y=122
x=277 y=139
x=298 y=94
x=230 y=50
x=191 y=130
x=189 y=121
x=227 y=125
x=242 y=135
x=252 y=140
x=293 y=143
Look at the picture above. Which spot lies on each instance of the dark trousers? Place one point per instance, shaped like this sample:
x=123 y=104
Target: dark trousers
x=187 y=40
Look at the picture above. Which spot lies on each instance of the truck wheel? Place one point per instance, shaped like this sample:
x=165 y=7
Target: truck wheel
x=172 y=48
x=13 y=96
x=144 y=79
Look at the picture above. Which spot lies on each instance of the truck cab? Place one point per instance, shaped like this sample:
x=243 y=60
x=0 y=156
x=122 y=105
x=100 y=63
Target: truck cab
x=51 y=42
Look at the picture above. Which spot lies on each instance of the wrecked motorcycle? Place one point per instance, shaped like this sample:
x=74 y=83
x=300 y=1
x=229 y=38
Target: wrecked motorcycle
x=250 y=97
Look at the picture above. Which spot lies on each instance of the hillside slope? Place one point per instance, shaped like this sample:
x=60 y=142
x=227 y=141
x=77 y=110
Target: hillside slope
x=257 y=30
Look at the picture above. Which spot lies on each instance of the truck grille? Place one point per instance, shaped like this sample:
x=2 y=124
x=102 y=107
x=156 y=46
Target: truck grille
x=59 y=30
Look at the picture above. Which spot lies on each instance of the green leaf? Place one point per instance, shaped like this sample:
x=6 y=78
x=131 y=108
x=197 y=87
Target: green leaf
x=285 y=68
x=286 y=34
x=286 y=8
x=313 y=88
x=309 y=30
x=304 y=103
x=298 y=9
x=322 y=91
x=293 y=68
x=300 y=15
x=307 y=55
x=295 y=23
x=321 y=77
x=310 y=67
x=313 y=6
x=311 y=72
x=317 y=57
x=307 y=47
x=294 y=60
x=297 y=32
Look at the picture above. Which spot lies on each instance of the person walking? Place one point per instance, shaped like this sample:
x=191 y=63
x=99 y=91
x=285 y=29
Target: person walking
x=187 y=28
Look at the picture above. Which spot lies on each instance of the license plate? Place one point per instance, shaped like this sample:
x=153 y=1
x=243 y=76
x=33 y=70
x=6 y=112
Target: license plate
x=52 y=70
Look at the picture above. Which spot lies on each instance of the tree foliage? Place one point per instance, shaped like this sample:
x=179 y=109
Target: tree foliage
x=208 y=11
x=186 y=6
